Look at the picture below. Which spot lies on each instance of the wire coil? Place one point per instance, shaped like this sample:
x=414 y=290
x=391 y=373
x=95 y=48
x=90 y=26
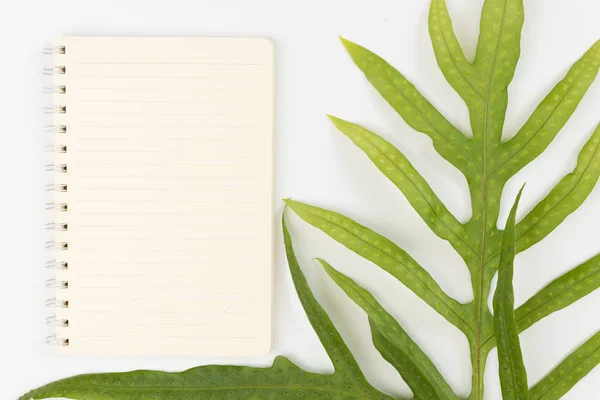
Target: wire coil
x=58 y=264
x=57 y=322
x=54 y=50
x=55 y=303
x=56 y=341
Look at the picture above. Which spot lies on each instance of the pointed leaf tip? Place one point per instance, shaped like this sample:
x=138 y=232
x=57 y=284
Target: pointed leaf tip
x=333 y=118
x=345 y=42
x=518 y=199
x=513 y=211
x=513 y=376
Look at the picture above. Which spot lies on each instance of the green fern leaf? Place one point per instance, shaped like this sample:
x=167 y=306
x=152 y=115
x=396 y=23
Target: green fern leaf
x=550 y=116
x=560 y=293
x=512 y=370
x=412 y=359
x=282 y=380
x=498 y=51
x=565 y=198
x=450 y=57
x=569 y=372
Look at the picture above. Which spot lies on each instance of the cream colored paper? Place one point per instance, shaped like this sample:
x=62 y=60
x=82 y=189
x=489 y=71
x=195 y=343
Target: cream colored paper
x=169 y=193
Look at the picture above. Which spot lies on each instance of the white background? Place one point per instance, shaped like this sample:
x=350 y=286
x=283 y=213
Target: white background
x=316 y=164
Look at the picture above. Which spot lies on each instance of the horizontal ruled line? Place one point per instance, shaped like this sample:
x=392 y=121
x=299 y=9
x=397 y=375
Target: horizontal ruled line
x=166 y=202
x=171 y=126
x=101 y=163
x=167 y=76
x=170 y=63
x=211 y=301
x=165 y=151
x=158 y=189
x=170 y=287
x=137 y=275
x=182 y=325
x=172 y=114
x=194 y=337
x=168 y=176
x=185 y=312
x=203 y=239
x=162 y=139
x=178 y=176
x=111 y=226
x=172 y=89
x=193 y=213
x=171 y=102
x=170 y=263
x=90 y=250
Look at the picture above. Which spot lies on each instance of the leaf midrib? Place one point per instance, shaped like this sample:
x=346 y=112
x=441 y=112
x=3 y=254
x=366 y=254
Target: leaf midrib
x=481 y=300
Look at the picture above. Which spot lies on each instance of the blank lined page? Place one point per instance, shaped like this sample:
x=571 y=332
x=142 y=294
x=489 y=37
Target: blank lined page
x=169 y=195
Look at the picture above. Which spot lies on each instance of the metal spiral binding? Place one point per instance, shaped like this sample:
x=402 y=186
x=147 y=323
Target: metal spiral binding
x=52 y=264
x=56 y=341
x=54 y=50
x=50 y=89
x=55 y=129
x=57 y=322
x=58 y=264
x=55 y=303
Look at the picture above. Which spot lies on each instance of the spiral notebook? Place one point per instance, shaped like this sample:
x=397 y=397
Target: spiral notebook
x=163 y=196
